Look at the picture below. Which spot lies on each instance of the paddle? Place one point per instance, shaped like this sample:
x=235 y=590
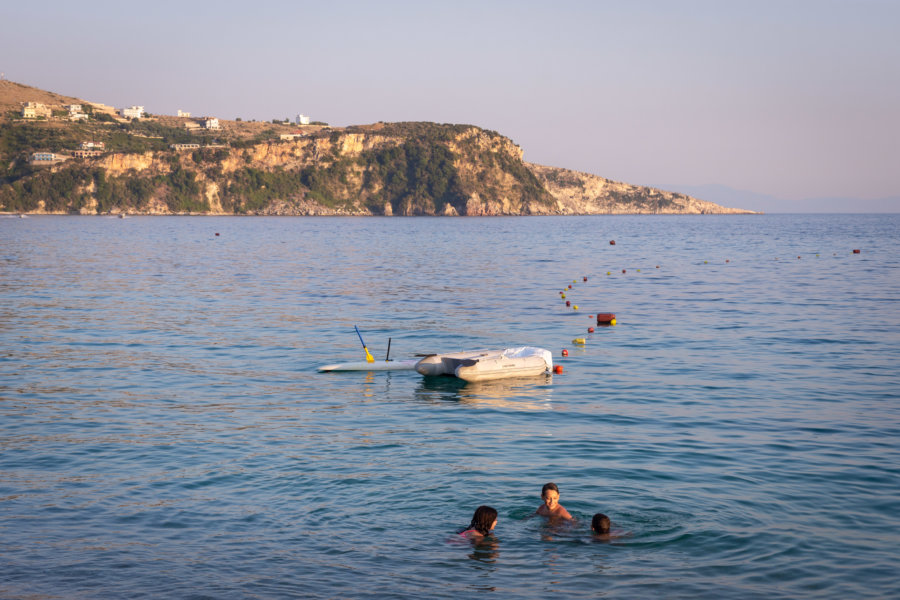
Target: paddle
x=369 y=357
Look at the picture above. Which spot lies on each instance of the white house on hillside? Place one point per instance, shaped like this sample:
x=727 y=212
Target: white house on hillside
x=302 y=120
x=75 y=112
x=135 y=112
x=211 y=123
x=182 y=113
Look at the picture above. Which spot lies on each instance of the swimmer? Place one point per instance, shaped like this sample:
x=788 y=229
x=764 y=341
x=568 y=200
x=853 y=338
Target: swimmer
x=600 y=524
x=551 y=507
x=483 y=522
x=600 y=528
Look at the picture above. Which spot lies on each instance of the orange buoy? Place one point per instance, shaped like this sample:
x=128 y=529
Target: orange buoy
x=565 y=352
x=605 y=318
x=558 y=369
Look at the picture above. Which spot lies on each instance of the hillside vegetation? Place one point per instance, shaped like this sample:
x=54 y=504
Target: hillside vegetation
x=246 y=168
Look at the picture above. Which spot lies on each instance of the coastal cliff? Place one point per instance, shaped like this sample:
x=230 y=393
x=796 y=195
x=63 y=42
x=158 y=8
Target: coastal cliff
x=155 y=166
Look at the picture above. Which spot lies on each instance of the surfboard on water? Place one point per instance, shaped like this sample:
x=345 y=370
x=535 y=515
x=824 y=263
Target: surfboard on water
x=378 y=365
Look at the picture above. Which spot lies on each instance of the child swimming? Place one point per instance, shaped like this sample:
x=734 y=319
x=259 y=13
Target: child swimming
x=551 y=507
x=600 y=524
x=483 y=522
x=601 y=529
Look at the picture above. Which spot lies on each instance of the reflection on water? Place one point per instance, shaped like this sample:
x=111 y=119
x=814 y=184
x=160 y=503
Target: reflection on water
x=487 y=549
x=535 y=393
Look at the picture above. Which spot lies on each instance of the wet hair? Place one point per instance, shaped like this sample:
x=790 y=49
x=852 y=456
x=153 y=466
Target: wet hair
x=600 y=523
x=549 y=486
x=483 y=518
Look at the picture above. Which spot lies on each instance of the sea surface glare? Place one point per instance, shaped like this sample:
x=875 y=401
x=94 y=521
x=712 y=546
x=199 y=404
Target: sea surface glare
x=164 y=432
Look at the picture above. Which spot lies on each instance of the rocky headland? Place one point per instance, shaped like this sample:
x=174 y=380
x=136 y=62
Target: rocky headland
x=160 y=165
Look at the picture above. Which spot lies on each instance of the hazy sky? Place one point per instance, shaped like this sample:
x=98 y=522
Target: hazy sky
x=795 y=99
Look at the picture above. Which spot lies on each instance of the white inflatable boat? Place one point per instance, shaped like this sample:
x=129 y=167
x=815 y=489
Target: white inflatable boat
x=485 y=365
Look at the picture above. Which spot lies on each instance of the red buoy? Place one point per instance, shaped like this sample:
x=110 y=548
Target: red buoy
x=856 y=251
x=217 y=233
x=568 y=303
x=590 y=330
x=570 y=286
x=558 y=369
x=565 y=352
x=605 y=318
x=612 y=242
x=623 y=270
x=584 y=278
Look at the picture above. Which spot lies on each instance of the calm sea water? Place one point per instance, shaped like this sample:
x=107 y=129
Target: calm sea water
x=164 y=432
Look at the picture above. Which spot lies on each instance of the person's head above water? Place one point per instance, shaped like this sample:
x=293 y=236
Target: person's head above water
x=600 y=523
x=550 y=495
x=484 y=519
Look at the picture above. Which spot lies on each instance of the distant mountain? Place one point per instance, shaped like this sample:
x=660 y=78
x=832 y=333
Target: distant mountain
x=721 y=194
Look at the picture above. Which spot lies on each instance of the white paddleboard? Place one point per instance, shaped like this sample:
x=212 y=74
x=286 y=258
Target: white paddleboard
x=378 y=365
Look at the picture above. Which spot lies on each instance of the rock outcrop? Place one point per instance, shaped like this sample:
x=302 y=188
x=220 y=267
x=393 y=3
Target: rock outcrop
x=579 y=193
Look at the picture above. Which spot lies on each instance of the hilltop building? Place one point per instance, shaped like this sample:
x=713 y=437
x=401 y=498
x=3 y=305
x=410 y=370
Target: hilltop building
x=182 y=113
x=33 y=110
x=134 y=112
x=302 y=120
x=76 y=113
x=211 y=123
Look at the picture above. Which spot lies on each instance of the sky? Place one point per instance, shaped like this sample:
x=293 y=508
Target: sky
x=778 y=103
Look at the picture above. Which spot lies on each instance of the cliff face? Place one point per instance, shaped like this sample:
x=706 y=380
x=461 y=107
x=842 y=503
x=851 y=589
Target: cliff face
x=383 y=169
x=582 y=193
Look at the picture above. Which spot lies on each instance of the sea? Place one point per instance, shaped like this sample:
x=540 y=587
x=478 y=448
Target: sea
x=165 y=432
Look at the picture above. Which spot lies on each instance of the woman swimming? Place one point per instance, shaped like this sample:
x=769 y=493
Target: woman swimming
x=483 y=522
